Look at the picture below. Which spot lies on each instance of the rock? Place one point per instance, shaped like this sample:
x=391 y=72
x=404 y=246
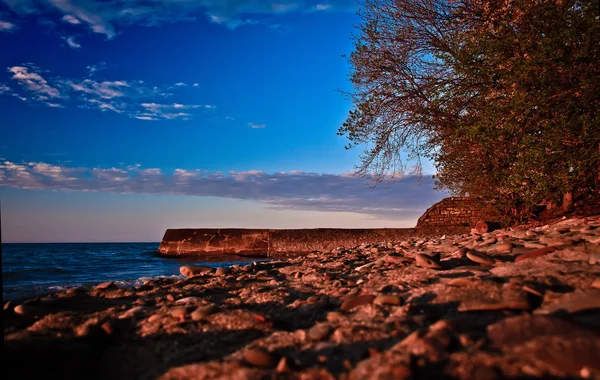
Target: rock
x=106 y=285
x=7 y=305
x=170 y=297
x=480 y=258
x=131 y=312
x=178 y=312
x=109 y=328
x=194 y=270
x=221 y=271
x=154 y=318
x=397 y=259
x=426 y=261
x=187 y=300
x=334 y=316
x=283 y=366
x=573 y=303
x=535 y=253
x=479 y=305
x=24 y=310
x=596 y=283
x=503 y=247
x=350 y=302
x=460 y=253
x=260 y=358
x=533 y=245
x=319 y=331
x=462 y=282
x=202 y=312
x=387 y=299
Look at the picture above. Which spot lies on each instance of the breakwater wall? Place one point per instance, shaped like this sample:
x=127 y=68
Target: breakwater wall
x=274 y=243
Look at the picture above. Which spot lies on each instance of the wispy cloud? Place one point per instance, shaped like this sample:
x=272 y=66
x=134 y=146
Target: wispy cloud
x=33 y=83
x=404 y=198
x=257 y=126
x=72 y=43
x=156 y=111
x=6 y=26
x=103 y=16
x=133 y=98
x=71 y=19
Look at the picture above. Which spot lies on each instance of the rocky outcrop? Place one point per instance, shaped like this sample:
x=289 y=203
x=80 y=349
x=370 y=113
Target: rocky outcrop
x=273 y=243
x=456 y=212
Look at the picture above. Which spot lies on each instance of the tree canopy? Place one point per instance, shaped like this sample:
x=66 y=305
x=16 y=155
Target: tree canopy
x=502 y=95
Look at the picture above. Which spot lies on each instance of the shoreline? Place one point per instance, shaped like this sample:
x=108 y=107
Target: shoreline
x=512 y=303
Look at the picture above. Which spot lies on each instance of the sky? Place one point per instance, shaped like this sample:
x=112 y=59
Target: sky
x=119 y=120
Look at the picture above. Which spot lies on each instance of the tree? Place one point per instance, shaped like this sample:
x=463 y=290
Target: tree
x=501 y=95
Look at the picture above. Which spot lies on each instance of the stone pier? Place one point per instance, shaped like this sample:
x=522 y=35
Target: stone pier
x=273 y=243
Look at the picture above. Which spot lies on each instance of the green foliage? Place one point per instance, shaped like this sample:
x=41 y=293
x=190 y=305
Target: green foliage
x=502 y=95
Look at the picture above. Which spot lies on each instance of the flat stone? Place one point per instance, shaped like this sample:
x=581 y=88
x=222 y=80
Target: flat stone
x=573 y=303
x=503 y=247
x=194 y=270
x=202 y=312
x=460 y=253
x=221 y=271
x=480 y=258
x=397 y=259
x=260 y=358
x=319 y=331
x=535 y=253
x=480 y=305
x=387 y=299
x=350 y=302
x=24 y=309
x=426 y=261
x=106 y=285
x=178 y=312
x=533 y=245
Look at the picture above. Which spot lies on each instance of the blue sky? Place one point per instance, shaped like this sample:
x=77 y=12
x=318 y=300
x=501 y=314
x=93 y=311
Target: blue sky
x=121 y=119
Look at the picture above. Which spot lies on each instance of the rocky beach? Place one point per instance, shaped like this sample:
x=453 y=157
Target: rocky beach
x=519 y=302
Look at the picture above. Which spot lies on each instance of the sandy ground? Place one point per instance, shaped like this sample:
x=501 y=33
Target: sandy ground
x=518 y=303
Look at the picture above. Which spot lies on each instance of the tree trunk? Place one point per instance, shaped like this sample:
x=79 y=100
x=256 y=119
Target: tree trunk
x=567 y=200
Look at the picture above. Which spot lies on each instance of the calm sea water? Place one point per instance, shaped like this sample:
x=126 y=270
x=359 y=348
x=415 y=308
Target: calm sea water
x=32 y=269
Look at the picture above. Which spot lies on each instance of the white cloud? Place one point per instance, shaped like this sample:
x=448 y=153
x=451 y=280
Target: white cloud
x=180 y=84
x=6 y=26
x=72 y=43
x=33 y=82
x=195 y=84
x=71 y=19
x=322 y=7
x=404 y=198
x=105 y=89
x=133 y=98
x=103 y=16
x=257 y=126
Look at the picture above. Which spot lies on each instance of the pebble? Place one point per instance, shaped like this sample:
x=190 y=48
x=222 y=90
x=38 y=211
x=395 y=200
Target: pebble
x=106 y=285
x=283 y=366
x=503 y=247
x=194 y=270
x=387 y=299
x=350 y=302
x=170 y=298
x=24 y=309
x=535 y=253
x=319 y=331
x=426 y=261
x=178 y=312
x=7 y=305
x=221 y=271
x=478 y=305
x=460 y=253
x=260 y=358
x=154 y=318
x=202 y=312
x=108 y=327
x=334 y=316
x=480 y=258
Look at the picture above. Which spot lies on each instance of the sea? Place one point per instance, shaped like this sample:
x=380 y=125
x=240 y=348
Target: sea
x=33 y=269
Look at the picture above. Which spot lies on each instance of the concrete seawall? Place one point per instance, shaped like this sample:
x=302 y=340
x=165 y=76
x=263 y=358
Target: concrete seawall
x=274 y=243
